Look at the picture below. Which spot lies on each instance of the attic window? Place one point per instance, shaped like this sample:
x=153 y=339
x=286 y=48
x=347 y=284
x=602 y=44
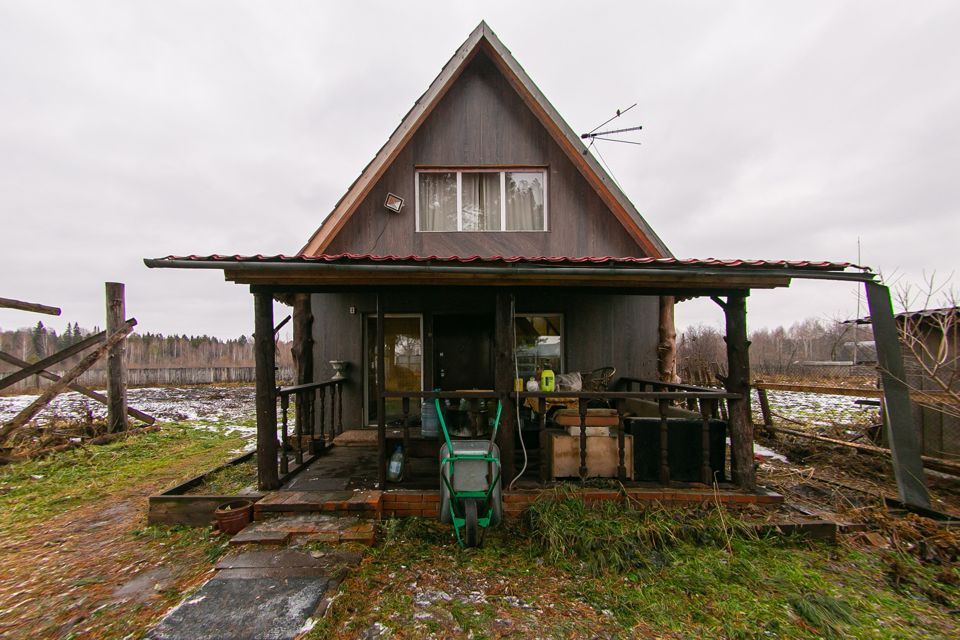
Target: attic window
x=481 y=200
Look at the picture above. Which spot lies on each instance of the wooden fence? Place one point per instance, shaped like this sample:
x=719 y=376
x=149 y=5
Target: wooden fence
x=145 y=377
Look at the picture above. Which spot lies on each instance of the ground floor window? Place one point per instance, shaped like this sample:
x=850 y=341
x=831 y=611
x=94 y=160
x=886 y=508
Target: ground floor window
x=539 y=343
x=402 y=359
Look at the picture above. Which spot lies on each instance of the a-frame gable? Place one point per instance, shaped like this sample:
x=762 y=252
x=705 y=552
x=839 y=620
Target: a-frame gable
x=483 y=39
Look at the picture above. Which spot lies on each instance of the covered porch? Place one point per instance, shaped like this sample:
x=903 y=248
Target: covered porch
x=287 y=448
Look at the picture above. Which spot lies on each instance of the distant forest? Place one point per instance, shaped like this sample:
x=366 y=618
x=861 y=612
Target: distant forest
x=143 y=350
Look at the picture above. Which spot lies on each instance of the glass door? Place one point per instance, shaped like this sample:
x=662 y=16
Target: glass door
x=403 y=361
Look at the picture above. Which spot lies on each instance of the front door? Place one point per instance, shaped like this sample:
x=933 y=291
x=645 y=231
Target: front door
x=463 y=351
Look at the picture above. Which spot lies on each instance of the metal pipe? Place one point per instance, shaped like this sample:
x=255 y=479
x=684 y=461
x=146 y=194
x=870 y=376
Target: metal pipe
x=507 y=270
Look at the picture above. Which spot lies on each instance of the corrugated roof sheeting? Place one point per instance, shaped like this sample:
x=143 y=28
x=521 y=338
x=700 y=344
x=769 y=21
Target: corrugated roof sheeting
x=537 y=260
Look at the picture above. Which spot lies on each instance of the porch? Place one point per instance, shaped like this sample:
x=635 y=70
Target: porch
x=390 y=282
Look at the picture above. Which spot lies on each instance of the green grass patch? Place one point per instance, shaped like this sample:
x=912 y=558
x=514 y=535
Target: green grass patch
x=603 y=570
x=34 y=490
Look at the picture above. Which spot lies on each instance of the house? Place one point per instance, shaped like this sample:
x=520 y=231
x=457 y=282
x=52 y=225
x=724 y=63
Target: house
x=481 y=242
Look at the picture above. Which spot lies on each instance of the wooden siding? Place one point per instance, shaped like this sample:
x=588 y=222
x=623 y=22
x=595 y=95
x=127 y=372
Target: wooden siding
x=599 y=330
x=482 y=121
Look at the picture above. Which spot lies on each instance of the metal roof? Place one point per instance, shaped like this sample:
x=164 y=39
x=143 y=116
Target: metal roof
x=351 y=258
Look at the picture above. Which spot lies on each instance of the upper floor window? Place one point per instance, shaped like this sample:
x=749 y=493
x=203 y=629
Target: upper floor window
x=481 y=200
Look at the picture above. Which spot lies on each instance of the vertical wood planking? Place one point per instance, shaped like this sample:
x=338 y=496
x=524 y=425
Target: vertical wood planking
x=503 y=379
x=265 y=354
x=116 y=367
x=663 y=405
x=621 y=467
x=542 y=428
x=706 y=473
x=582 y=406
x=381 y=401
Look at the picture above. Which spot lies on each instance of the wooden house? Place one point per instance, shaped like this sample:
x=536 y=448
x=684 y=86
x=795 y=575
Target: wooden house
x=480 y=243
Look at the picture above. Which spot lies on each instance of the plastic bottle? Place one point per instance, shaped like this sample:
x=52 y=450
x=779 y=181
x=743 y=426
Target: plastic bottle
x=547 y=380
x=395 y=468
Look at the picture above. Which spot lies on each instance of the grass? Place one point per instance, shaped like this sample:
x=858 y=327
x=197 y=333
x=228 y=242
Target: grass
x=585 y=571
x=74 y=531
x=39 y=489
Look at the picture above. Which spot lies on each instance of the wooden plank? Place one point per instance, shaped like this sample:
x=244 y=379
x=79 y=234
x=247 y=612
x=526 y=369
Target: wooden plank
x=266 y=401
x=901 y=429
x=59 y=356
x=93 y=395
x=820 y=388
x=934 y=464
x=116 y=367
x=88 y=361
x=303 y=361
x=10 y=303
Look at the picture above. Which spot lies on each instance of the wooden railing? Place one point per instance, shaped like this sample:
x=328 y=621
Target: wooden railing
x=308 y=419
x=706 y=400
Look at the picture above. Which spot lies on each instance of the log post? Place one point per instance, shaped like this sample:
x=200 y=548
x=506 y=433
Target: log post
x=303 y=362
x=503 y=378
x=738 y=382
x=265 y=355
x=116 y=367
x=667 y=342
x=381 y=400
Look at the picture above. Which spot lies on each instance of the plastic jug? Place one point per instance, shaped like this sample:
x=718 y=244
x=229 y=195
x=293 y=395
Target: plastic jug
x=548 y=381
x=395 y=468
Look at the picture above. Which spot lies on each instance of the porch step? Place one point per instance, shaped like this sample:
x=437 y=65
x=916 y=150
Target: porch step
x=305 y=528
x=359 y=503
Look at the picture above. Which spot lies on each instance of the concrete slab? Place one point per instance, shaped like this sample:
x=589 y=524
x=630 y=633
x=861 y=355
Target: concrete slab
x=259 y=608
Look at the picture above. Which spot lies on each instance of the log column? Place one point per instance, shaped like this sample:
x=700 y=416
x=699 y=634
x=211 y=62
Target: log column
x=265 y=354
x=738 y=381
x=303 y=361
x=503 y=377
x=116 y=369
x=667 y=342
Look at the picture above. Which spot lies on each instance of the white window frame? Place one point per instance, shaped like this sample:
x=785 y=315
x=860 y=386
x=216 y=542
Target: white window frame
x=503 y=171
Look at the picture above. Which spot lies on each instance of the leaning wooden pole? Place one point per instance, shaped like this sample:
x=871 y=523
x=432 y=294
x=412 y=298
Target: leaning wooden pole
x=266 y=392
x=9 y=303
x=116 y=365
x=88 y=361
x=738 y=382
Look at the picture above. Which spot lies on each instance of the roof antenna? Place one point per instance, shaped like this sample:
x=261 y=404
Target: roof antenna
x=593 y=135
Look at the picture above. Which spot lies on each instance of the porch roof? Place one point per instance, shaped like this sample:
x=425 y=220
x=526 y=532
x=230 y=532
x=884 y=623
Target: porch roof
x=697 y=276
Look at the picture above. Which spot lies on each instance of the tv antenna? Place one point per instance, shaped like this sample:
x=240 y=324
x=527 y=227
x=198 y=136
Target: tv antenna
x=593 y=135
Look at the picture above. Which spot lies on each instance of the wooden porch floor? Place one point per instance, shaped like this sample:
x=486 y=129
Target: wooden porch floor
x=344 y=480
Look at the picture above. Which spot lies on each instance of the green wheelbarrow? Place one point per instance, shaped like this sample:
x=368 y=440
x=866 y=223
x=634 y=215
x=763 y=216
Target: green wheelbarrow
x=470 y=489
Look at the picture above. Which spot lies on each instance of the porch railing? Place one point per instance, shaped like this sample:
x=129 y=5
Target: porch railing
x=310 y=425
x=705 y=400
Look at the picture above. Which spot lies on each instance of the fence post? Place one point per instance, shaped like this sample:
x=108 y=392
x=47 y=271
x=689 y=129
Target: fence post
x=116 y=367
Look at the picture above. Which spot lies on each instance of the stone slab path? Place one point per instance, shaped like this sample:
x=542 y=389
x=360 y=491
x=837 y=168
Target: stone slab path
x=259 y=595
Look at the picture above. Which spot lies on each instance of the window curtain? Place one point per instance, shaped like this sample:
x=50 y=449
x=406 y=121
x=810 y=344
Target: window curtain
x=438 y=201
x=481 y=201
x=524 y=201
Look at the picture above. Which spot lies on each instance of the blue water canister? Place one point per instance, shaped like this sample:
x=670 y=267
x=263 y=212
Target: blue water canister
x=429 y=423
x=395 y=467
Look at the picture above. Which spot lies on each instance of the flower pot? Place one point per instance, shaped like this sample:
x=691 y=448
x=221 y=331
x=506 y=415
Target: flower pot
x=233 y=516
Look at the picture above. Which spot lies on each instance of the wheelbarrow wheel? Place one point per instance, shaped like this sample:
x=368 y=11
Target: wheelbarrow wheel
x=470 y=526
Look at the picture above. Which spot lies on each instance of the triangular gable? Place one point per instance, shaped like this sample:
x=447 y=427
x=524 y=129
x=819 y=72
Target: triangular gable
x=484 y=37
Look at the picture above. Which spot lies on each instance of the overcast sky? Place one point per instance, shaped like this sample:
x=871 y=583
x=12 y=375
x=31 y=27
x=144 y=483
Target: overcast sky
x=771 y=130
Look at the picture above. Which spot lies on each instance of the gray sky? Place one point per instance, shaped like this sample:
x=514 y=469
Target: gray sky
x=771 y=130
